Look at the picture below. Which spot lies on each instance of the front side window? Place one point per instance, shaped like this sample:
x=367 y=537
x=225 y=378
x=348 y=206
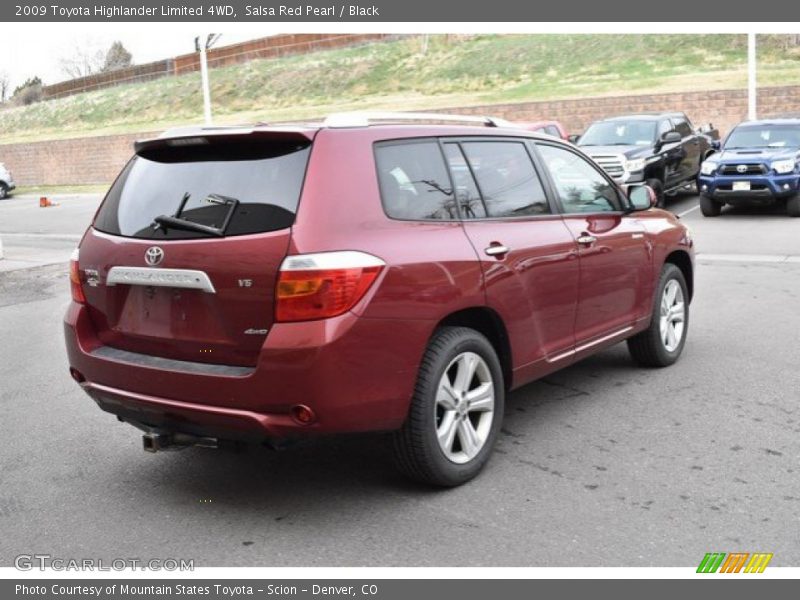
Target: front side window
x=508 y=182
x=580 y=187
x=414 y=182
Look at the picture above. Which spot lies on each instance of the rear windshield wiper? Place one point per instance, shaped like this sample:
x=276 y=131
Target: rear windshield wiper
x=176 y=222
x=167 y=222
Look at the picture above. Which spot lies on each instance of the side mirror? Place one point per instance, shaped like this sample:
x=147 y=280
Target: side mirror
x=642 y=197
x=671 y=137
x=573 y=138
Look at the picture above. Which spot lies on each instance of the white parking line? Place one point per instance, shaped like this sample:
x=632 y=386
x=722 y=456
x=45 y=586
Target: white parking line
x=686 y=212
x=752 y=258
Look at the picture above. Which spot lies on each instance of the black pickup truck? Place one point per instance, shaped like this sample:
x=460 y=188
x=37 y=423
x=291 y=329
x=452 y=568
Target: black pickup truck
x=663 y=150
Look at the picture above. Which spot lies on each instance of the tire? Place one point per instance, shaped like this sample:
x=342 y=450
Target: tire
x=710 y=207
x=654 y=347
x=658 y=188
x=3 y=191
x=793 y=206
x=418 y=452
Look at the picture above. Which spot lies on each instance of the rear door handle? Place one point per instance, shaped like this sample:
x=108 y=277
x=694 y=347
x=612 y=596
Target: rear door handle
x=586 y=239
x=496 y=250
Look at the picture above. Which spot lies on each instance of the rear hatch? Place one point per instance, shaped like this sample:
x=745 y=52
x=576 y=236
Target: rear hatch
x=183 y=255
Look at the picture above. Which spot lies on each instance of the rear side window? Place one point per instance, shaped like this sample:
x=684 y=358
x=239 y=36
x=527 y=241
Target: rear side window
x=414 y=182
x=254 y=186
x=469 y=198
x=507 y=179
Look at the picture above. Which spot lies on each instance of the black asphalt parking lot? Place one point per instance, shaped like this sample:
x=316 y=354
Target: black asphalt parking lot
x=602 y=464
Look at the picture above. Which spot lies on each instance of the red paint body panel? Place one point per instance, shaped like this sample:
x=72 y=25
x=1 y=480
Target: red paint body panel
x=343 y=368
x=187 y=324
x=534 y=287
x=616 y=274
x=558 y=301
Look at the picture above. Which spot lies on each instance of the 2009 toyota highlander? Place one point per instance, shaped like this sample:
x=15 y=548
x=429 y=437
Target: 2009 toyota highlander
x=374 y=272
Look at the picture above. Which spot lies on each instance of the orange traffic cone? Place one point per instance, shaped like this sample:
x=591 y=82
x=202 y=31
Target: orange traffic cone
x=44 y=202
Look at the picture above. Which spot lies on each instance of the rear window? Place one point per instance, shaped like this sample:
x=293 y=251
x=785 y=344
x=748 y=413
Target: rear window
x=236 y=187
x=414 y=181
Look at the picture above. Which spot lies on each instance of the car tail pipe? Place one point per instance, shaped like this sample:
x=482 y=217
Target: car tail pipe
x=157 y=441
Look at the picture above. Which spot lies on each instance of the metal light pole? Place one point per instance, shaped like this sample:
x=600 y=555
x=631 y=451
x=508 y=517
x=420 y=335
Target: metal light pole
x=751 y=77
x=202 y=48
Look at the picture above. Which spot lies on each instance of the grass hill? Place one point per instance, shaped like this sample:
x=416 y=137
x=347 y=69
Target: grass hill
x=452 y=71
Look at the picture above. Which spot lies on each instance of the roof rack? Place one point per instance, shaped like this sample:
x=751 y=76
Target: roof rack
x=365 y=118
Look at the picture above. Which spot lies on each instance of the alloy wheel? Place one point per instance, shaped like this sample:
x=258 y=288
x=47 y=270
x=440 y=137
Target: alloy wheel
x=673 y=315
x=465 y=401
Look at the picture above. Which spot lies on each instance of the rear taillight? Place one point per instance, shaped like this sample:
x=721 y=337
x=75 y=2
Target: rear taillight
x=75 y=279
x=318 y=286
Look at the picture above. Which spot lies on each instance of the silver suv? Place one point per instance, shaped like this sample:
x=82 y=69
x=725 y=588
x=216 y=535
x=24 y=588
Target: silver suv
x=6 y=182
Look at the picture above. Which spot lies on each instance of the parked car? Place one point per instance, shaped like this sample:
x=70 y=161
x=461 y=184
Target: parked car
x=663 y=150
x=554 y=128
x=758 y=163
x=271 y=283
x=7 y=184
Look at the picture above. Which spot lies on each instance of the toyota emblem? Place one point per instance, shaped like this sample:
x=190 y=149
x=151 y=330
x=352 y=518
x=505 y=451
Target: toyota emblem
x=153 y=256
x=741 y=168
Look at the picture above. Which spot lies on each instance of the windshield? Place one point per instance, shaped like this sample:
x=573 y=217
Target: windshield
x=620 y=133
x=236 y=188
x=767 y=136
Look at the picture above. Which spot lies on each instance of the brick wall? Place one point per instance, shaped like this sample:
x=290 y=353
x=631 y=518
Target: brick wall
x=70 y=162
x=99 y=159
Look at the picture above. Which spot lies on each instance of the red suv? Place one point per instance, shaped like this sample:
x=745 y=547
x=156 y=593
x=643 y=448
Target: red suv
x=268 y=283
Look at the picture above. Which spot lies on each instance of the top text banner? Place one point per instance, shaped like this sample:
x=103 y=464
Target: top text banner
x=495 y=11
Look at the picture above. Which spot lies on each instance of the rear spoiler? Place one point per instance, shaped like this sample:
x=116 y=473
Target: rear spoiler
x=196 y=136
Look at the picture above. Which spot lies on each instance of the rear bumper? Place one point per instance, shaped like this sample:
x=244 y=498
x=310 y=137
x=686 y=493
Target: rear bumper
x=765 y=189
x=345 y=369
x=185 y=417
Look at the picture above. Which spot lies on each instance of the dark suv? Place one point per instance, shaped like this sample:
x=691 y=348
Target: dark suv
x=269 y=283
x=663 y=150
